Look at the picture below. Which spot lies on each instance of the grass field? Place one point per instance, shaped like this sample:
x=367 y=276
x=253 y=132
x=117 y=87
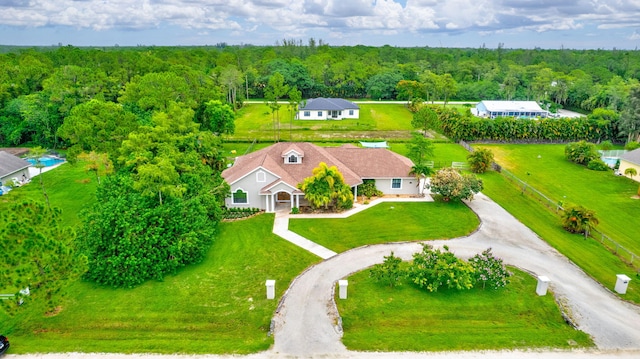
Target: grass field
x=69 y=187
x=389 y=222
x=378 y=121
x=376 y=317
x=217 y=306
x=545 y=168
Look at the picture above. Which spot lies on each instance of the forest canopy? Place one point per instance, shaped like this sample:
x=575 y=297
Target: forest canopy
x=39 y=87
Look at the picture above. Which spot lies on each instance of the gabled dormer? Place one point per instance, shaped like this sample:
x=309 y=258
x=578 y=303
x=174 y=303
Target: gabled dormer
x=293 y=155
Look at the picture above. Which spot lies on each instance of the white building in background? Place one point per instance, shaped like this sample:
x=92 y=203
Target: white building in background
x=524 y=109
x=328 y=109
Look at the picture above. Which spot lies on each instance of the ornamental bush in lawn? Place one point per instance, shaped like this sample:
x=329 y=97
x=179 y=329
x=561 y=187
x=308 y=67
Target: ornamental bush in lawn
x=597 y=165
x=489 y=270
x=454 y=186
x=480 y=160
x=577 y=219
x=581 y=152
x=434 y=269
x=388 y=271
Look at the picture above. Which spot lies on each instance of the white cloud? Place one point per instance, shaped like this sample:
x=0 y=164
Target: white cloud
x=342 y=18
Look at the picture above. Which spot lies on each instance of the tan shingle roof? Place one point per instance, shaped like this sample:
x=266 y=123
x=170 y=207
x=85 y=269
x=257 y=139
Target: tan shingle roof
x=354 y=163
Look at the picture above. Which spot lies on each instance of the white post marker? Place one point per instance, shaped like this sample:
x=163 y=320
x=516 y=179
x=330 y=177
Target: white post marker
x=543 y=284
x=271 y=288
x=342 y=286
x=622 y=283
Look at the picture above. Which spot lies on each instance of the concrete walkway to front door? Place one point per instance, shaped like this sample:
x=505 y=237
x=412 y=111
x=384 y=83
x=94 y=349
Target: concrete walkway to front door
x=281 y=223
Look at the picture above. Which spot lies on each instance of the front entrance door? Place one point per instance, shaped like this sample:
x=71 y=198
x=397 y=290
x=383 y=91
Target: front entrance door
x=283 y=197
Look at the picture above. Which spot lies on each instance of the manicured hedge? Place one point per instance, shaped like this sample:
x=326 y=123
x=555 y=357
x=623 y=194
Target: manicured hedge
x=466 y=127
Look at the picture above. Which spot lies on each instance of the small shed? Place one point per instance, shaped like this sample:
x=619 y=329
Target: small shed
x=13 y=168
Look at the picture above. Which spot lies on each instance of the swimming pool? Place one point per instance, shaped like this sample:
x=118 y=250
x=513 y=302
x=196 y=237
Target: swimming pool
x=46 y=161
x=610 y=161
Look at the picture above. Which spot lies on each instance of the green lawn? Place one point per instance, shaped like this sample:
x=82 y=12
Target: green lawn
x=69 y=188
x=389 y=222
x=376 y=317
x=443 y=153
x=590 y=255
x=217 y=306
x=545 y=168
x=379 y=121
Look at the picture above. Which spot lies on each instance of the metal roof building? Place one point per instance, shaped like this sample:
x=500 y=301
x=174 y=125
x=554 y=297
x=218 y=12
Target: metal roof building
x=493 y=109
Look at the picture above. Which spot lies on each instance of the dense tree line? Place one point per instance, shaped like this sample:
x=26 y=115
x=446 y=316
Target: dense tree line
x=40 y=87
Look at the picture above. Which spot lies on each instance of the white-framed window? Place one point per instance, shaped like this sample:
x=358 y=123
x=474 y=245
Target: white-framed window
x=350 y=112
x=261 y=176
x=396 y=183
x=319 y=113
x=307 y=113
x=239 y=197
x=292 y=158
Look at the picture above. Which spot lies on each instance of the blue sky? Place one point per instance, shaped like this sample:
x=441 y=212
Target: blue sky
x=549 y=24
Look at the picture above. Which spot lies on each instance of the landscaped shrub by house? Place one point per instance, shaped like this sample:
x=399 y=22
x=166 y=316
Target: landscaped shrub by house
x=368 y=189
x=326 y=188
x=237 y=213
x=597 y=165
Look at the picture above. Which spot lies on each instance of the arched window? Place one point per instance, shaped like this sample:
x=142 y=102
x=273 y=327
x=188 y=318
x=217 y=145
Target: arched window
x=239 y=197
x=293 y=159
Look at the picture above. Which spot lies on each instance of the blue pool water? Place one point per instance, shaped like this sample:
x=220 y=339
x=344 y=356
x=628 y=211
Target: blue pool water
x=611 y=161
x=46 y=161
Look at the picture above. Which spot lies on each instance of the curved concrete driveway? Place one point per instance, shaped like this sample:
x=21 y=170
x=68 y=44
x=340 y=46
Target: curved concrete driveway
x=307 y=322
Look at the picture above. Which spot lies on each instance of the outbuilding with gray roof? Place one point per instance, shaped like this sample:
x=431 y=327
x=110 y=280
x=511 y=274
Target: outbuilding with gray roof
x=328 y=109
x=13 y=169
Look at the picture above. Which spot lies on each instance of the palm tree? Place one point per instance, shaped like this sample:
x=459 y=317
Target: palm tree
x=630 y=171
x=327 y=187
x=578 y=219
x=421 y=171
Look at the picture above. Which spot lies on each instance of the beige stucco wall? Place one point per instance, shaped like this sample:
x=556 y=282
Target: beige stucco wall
x=409 y=186
x=626 y=164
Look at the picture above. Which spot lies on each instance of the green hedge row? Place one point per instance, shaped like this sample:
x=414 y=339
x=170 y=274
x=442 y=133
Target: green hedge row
x=458 y=127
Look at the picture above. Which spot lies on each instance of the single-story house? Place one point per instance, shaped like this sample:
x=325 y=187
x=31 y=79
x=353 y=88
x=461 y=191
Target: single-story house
x=493 y=109
x=13 y=168
x=328 y=109
x=631 y=159
x=269 y=177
